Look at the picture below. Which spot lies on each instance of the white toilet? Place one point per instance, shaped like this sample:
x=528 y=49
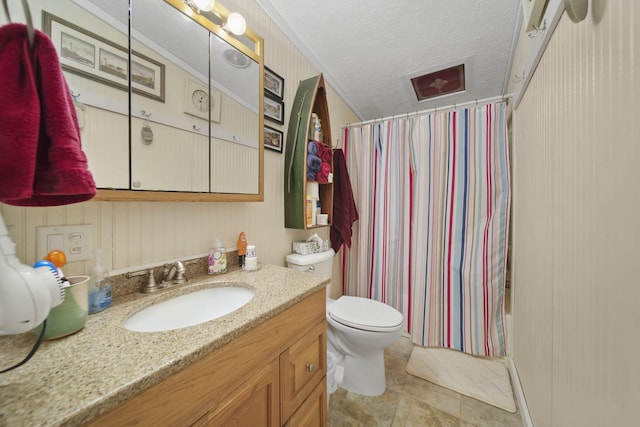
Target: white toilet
x=359 y=329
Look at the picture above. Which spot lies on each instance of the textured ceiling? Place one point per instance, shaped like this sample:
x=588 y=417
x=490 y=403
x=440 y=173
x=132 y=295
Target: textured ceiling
x=368 y=50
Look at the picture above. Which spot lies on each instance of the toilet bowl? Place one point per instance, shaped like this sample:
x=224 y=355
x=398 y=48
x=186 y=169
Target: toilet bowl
x=358 y=330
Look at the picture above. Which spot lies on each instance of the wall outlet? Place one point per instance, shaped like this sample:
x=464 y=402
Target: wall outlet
x=76 y=241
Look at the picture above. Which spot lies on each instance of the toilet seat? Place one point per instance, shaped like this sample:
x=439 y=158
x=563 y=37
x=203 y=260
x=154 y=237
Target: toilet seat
x=365 y=314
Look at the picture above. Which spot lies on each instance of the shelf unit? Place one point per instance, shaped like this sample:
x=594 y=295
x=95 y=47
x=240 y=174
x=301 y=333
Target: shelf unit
x=310 y=98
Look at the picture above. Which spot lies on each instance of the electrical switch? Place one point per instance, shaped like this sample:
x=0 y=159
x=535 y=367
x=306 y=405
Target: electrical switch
x=76 y=241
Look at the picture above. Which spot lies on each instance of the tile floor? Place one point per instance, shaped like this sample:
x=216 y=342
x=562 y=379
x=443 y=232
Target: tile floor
x=410 y=401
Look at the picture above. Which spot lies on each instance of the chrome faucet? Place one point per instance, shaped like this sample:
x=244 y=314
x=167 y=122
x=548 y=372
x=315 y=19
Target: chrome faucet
x=173 y=274
x=180 y=276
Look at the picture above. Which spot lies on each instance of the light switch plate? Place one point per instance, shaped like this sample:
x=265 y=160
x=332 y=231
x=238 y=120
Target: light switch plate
x=76 y=241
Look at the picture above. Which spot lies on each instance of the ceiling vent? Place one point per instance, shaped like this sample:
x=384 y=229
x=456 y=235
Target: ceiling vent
x=439 y=83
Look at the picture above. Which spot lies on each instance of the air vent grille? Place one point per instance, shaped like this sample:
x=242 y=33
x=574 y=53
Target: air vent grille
x=439 y=83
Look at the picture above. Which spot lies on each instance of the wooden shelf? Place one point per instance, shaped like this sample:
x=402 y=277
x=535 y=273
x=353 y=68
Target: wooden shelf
x=310 y=98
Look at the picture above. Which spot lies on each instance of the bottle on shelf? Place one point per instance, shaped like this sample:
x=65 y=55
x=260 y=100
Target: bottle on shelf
x=310 y=211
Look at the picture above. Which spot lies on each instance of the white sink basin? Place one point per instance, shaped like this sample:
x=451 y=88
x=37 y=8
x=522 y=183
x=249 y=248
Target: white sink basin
x=189 y=309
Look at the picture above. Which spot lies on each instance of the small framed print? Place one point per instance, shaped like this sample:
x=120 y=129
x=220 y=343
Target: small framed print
x=273 y=139
x=199 y=102
x=273 y=83
x=273 y=109
x=99 y=59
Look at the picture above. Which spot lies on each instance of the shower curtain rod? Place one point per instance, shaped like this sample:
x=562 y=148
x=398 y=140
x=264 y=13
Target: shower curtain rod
x=419 y=113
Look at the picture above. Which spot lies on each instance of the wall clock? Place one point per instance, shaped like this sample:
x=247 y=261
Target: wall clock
x=199 y=102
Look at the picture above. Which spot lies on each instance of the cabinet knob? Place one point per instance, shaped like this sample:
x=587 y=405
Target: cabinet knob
x=147 y=134
x=310 y=367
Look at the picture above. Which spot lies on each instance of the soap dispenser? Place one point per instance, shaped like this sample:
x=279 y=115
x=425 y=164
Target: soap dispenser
x=217 y=260
x=99 y=288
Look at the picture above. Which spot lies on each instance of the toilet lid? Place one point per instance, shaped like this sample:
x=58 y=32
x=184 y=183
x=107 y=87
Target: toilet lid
x=366 y=314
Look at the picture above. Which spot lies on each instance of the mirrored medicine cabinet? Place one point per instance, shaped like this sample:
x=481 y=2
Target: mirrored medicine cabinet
x=169 y=104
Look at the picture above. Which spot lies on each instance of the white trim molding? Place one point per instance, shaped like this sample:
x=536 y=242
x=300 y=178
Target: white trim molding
x=550 y=21
x=519 y=394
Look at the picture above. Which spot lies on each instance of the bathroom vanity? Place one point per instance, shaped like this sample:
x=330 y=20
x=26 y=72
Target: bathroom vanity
x=262 y=365
x=259 y=379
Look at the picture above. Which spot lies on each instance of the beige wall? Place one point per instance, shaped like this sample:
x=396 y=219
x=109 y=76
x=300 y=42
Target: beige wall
x=147 y=233
x=576 y=238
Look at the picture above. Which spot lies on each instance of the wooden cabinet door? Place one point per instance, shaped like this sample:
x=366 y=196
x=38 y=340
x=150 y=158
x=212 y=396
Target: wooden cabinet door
x=302 y=367
x=254 y=403
x=313 y=411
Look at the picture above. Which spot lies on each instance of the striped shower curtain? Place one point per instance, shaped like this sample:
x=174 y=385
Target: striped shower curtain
x=433 y=196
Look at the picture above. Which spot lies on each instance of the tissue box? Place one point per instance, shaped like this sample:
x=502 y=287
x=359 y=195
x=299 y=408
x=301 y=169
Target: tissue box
x=312 y=247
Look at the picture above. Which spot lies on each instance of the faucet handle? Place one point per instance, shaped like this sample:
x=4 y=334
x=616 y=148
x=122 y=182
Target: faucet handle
x=151 y=285
x=180 y=277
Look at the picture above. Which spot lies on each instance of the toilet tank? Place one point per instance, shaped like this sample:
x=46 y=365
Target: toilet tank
x=320 y=263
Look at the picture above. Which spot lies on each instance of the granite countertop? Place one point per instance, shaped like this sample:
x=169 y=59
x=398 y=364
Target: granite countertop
x=73 y=379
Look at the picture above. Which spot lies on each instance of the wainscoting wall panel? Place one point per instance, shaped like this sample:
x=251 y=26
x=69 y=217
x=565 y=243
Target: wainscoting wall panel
x=575 y=221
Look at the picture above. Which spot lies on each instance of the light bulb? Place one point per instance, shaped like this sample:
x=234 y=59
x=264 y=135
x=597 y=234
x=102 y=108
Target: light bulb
x=205 y=5
x=236 y=24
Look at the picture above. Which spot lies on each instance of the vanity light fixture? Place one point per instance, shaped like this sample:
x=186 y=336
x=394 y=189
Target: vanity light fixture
x=235 y=24
x=201 y=5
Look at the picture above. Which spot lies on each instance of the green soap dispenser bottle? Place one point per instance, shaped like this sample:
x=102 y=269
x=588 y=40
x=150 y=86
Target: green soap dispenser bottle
x=99 y=287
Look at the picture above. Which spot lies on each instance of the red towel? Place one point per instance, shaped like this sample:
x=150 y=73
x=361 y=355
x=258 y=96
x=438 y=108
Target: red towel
x=19 y=114
x=322 y=175
x=345 y=212
x=61 y=172
x=324 y=152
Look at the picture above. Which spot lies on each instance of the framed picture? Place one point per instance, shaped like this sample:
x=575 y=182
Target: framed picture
x=273 y=83
x=273 y=139
x=94 y=57
x=273 y=109
x=199 y=102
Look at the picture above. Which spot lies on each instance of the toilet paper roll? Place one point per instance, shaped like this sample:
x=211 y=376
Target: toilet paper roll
x=313 y=190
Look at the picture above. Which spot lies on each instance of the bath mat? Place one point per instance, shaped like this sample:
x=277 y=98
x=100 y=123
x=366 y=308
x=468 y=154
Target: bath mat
x=484 y=379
